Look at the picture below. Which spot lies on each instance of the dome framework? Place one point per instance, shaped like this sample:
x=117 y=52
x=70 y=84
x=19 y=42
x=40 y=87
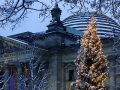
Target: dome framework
x=106 y=26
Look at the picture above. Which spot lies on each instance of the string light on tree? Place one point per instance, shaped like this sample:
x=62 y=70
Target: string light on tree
x=92 y=63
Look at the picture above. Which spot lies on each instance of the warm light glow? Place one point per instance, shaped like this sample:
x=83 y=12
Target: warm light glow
x=93 y=66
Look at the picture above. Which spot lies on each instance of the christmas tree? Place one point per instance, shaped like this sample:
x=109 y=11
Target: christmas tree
x=92 y=64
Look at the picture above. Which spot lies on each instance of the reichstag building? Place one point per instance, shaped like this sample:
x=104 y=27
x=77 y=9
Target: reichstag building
x=57 y=47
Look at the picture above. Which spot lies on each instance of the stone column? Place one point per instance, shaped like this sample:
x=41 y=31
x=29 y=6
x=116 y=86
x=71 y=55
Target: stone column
x=55 y=80
x=112 y=79
x=53 y=73
x=19 y=72
x=6 y=78
x=59 y=71
x=112 y=83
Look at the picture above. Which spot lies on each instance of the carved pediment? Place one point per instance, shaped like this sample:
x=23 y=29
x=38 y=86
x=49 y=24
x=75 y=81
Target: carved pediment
x=9 y=45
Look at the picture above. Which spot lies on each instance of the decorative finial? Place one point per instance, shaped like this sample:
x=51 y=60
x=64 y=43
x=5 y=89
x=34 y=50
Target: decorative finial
x=56 y=22
x=56 y=12
x=56 y=5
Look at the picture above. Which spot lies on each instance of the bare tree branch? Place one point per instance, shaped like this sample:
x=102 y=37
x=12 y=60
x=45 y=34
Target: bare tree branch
x=13 y=11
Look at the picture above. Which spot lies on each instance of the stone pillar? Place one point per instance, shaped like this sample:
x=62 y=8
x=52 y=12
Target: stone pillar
x=59 y=71
x=112 y=79
x=55 y=80
x=53 y=73
x=6 y=78
x=112 y=83
x=19 y=72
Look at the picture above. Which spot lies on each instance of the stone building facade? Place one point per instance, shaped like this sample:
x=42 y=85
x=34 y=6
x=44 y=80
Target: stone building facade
x=58 y=47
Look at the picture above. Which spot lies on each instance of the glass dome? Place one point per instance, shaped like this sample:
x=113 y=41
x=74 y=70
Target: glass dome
x=106 y=26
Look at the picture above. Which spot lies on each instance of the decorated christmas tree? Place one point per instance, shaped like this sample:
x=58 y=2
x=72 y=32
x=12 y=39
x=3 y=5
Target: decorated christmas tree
x=91 y=63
